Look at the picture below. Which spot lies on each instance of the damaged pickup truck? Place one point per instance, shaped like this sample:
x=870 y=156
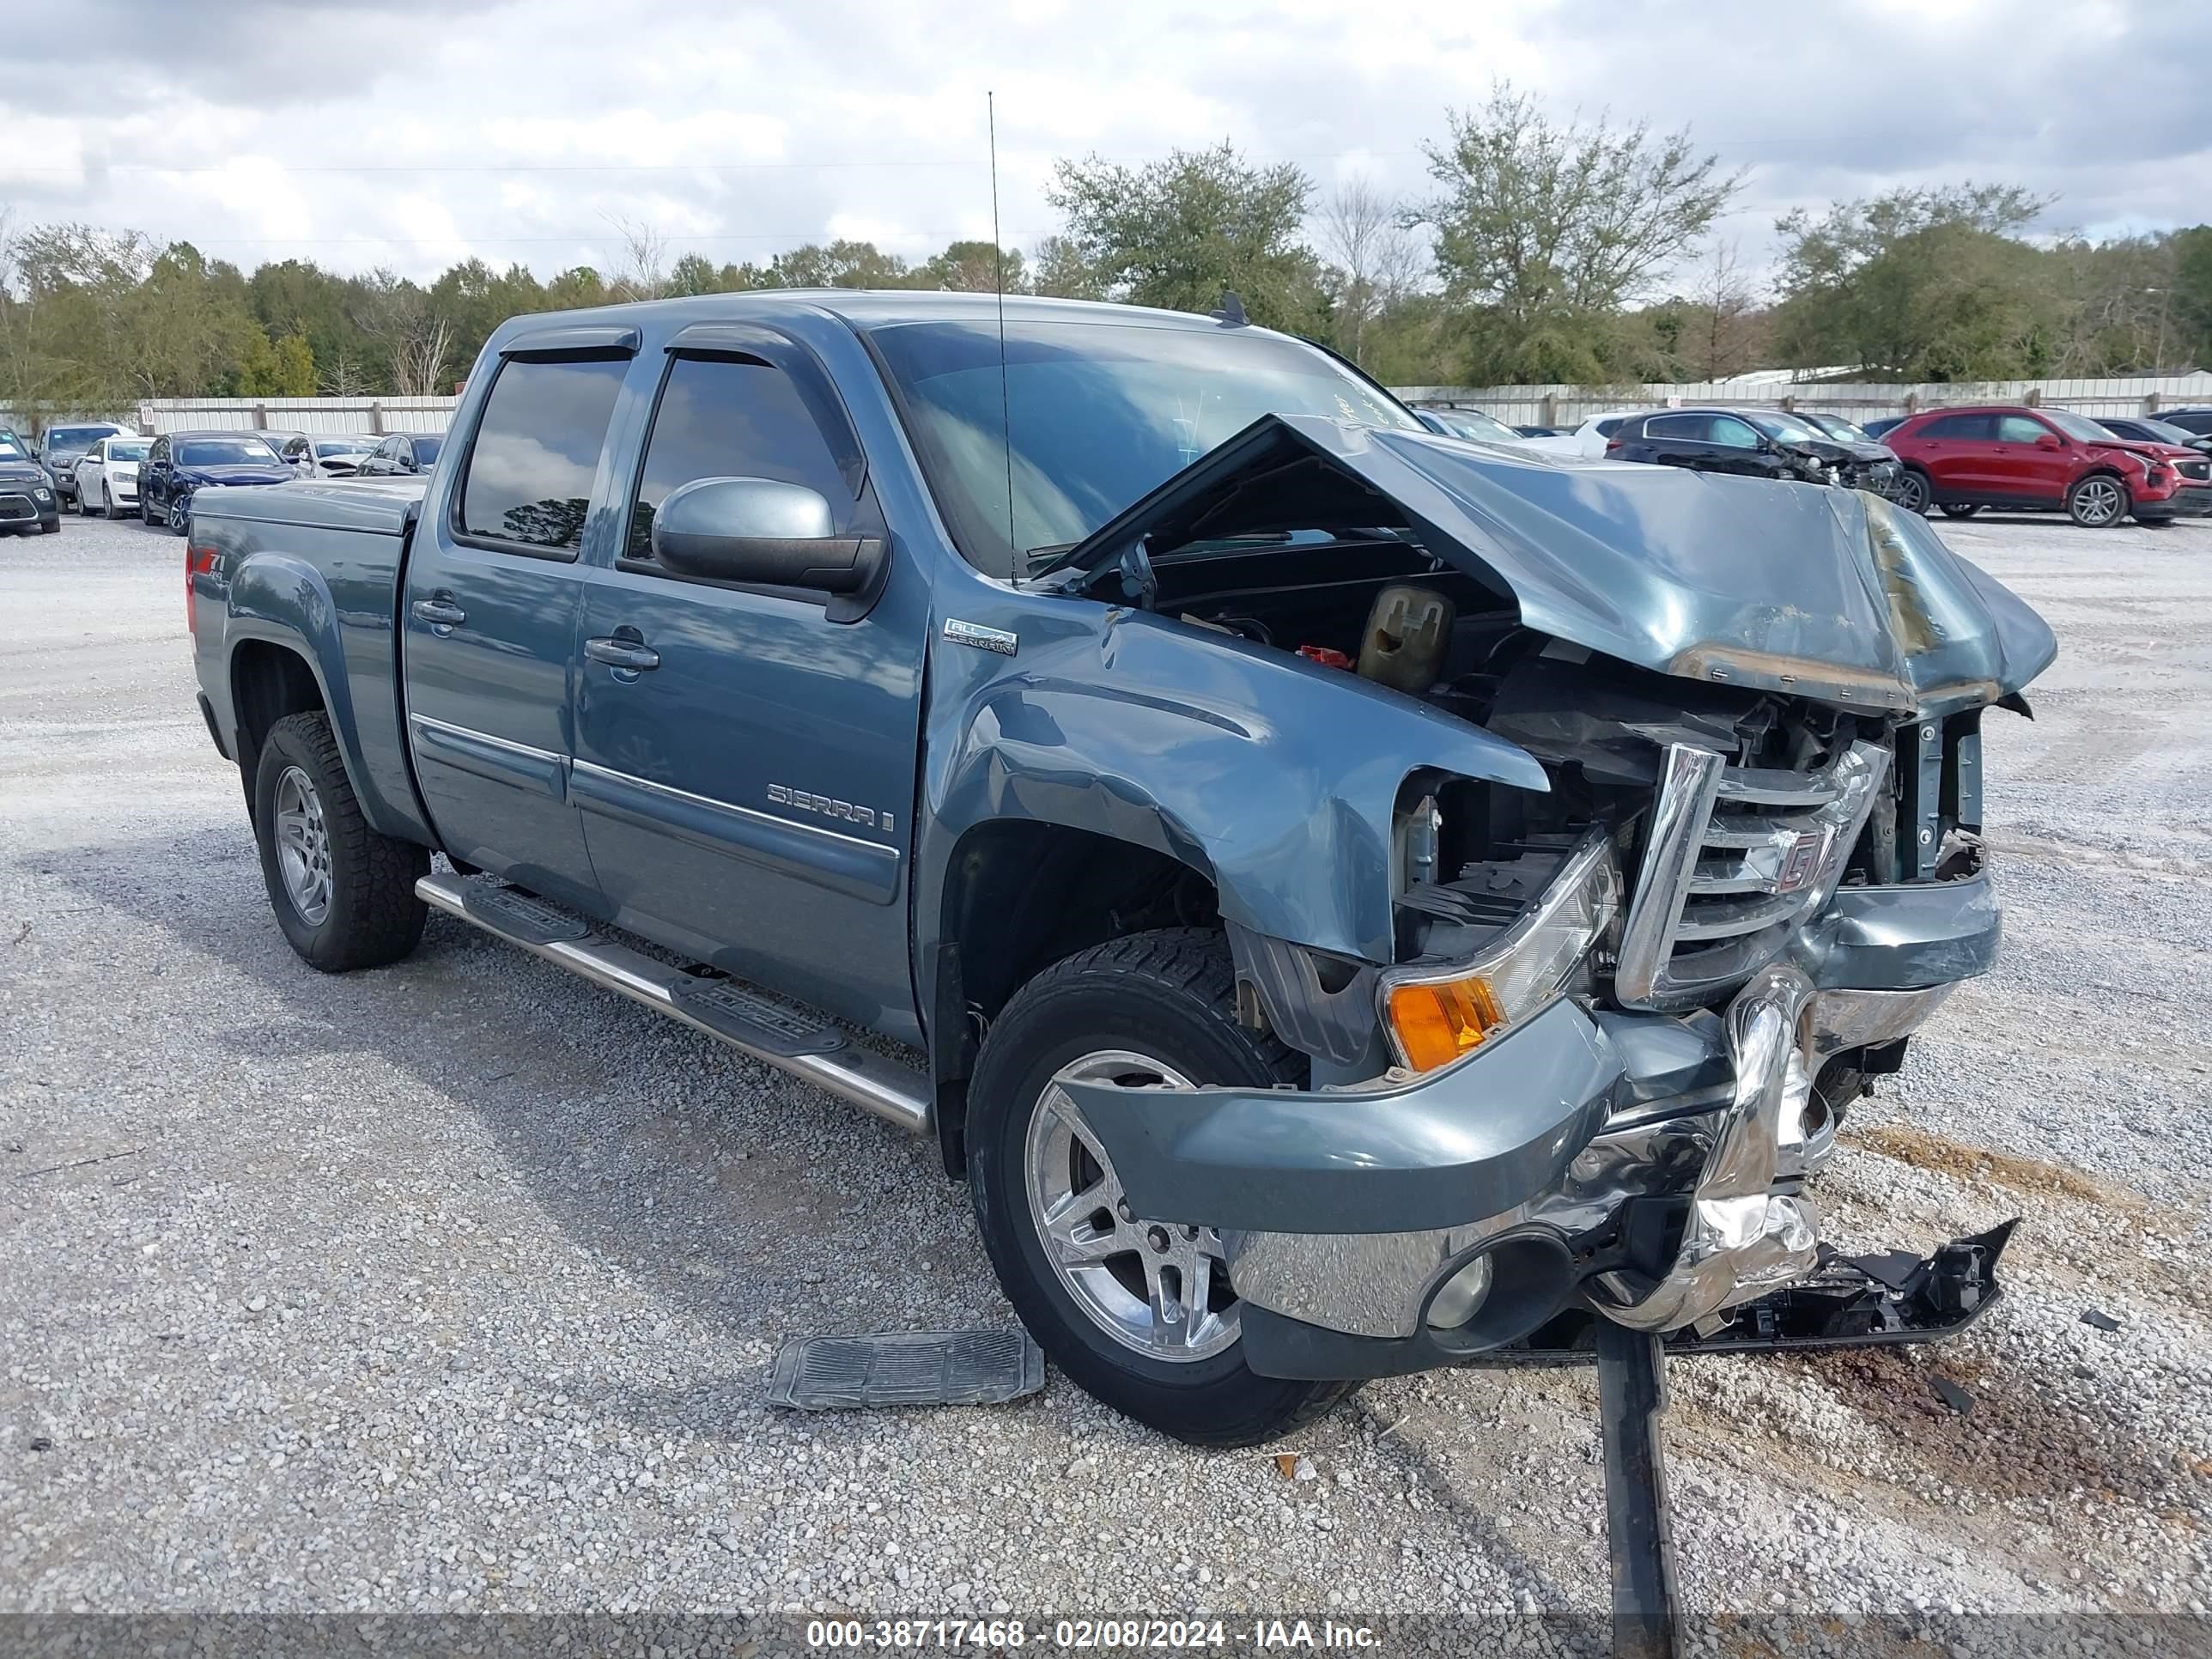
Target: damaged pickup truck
x=1353 y=899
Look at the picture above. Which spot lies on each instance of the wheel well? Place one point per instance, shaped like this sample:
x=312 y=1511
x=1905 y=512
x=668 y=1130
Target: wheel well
x=1019 y=897
x=267 y=683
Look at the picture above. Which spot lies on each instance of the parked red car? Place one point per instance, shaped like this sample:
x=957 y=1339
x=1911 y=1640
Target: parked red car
x=2045 y=460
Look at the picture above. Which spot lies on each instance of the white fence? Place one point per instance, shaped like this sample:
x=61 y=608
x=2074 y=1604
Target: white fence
x=1518 y=405
x=1571 y=405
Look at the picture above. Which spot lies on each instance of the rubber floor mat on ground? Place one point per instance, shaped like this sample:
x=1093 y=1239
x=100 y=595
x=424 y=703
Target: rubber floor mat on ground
x=905 y=1368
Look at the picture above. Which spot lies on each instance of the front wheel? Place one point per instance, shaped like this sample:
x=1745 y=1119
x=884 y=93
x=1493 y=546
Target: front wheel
x=1914 y=492
x=1961 y=509
x=343 y=894
x=180 y=514
x=1141 y=1315
x=2097 y=502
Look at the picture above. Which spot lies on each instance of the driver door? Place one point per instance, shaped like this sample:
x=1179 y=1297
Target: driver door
x=746 y=756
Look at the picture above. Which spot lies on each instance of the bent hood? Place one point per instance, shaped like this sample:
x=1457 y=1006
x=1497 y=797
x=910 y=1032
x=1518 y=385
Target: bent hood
x=1819 y=592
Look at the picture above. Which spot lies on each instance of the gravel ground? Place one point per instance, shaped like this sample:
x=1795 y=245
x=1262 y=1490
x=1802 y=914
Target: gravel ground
x=453 y=1286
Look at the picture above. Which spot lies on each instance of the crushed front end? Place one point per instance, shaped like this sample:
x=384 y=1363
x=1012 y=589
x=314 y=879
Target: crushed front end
x=1624 y=1018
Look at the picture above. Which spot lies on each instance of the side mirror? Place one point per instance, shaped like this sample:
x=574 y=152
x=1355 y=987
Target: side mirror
x=761 y=530
x=2049 y=441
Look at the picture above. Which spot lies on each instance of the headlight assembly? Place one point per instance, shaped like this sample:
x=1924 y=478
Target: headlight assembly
x=1434 y=1015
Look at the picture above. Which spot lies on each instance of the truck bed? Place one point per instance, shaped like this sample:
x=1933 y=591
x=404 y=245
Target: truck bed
x=374 y=507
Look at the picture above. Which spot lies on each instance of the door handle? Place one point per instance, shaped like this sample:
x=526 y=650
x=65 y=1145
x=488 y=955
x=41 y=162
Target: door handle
x=619 y=654
x=439 y=613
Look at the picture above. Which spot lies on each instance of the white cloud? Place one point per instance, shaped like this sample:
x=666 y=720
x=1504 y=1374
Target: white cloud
x=414 y=132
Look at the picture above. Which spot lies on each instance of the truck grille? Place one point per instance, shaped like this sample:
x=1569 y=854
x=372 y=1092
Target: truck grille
x=17 y=509
x=1734 y=858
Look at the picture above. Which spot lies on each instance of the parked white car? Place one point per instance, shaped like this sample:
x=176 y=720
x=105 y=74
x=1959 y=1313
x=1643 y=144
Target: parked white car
x=337 y=457
x=1588 y=439
x=104 y=480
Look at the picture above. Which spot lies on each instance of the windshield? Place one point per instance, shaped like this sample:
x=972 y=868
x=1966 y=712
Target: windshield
x=1837 y=427
x=226 y=452
x=2167 y=433
x=2077 y=427
x=121 y=450
x=1777 y=424
x=426 y=449
x=1473 y=423
x=8 y=452
x=1101 y=414
x=75 y=438
x=342 y=446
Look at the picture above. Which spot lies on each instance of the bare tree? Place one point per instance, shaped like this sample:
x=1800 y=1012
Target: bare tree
x=342 y=376
x=643 y=272
x=1726 y=328
x=407 y=323
x=1376 y=259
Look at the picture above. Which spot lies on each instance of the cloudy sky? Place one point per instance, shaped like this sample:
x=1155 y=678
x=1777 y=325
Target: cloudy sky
x=414 y=132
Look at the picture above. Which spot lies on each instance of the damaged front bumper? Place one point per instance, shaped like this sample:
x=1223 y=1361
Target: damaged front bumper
x=1647 y=1167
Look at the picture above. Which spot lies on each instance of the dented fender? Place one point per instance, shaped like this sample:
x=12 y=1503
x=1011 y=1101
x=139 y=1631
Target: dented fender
x=1276 y=777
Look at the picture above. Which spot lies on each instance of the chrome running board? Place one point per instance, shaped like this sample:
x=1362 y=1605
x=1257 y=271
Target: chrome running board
x=892 y=1091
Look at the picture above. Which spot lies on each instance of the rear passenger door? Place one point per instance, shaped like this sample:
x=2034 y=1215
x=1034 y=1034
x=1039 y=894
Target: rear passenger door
x=490 y=616
x=1677 y=440
x=748 y=789
x=1958 y=455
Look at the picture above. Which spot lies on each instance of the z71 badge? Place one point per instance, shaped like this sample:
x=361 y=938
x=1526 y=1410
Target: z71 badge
x=782 y=794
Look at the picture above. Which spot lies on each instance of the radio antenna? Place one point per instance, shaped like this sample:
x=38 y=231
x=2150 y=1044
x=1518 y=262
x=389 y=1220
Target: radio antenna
x=999 y=283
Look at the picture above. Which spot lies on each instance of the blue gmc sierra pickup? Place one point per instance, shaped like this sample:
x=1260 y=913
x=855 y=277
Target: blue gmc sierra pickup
x=1350 y=898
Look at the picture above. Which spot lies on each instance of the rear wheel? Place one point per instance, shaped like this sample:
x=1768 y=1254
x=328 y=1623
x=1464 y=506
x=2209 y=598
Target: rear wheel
x=1914 y=492
x=2097 y=502
x=1960 y=509
x=343 y=894
x=180 y=514
x=1140 y=1313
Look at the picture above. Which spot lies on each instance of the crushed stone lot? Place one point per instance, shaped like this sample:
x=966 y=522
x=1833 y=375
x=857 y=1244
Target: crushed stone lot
x=454 y=1285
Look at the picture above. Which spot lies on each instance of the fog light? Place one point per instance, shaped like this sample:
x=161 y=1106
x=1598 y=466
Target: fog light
x=1460 y=1296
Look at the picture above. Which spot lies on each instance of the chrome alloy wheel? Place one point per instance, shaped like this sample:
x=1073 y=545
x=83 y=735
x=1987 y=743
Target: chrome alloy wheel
x=2100 y=500
x=1157 y=1288
x=303 y=846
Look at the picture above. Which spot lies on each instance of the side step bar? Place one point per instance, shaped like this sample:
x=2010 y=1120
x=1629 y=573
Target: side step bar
x=771 y=1032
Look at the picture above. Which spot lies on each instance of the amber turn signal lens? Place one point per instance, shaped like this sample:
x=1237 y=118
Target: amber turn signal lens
x=1437 y=1023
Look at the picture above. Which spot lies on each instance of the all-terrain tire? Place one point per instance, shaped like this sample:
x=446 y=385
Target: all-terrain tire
x=1169 y=994
x=371 y=916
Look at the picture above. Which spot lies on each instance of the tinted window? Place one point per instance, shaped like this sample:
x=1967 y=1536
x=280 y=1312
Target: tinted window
x=225 y=452
x=2198 y=421
x=426 y=449
x=1959 y=425
x=1606 y=428
x=536 y=450
x=2018 y=429
x=1680 y=426
x=720 y=419
x=1733 y=433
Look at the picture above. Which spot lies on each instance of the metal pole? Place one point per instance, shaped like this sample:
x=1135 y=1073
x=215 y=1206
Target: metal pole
x=1632 y=1391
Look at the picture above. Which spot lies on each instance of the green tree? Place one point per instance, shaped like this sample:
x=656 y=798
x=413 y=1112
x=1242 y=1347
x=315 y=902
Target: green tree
x=1546 y=230
x=838 y=265
x=1178 y=233
x=2190 y=314
x=973 y=267
x=1918 y=285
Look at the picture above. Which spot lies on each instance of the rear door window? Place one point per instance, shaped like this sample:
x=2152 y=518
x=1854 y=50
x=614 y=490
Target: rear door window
x=1960 y=426
x=537 y=450
x=1681 y=428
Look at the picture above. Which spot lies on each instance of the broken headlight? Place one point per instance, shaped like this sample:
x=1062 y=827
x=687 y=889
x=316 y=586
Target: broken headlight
x=1434 y=1014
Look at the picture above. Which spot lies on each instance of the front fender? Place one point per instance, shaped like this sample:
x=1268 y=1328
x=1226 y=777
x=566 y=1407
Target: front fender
x=1276 y=776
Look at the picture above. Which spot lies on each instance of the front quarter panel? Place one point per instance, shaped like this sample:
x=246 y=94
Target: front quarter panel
x=1276 y=776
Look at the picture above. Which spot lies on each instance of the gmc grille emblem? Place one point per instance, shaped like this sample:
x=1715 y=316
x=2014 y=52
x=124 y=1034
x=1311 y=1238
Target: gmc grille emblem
x=1799 y=863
